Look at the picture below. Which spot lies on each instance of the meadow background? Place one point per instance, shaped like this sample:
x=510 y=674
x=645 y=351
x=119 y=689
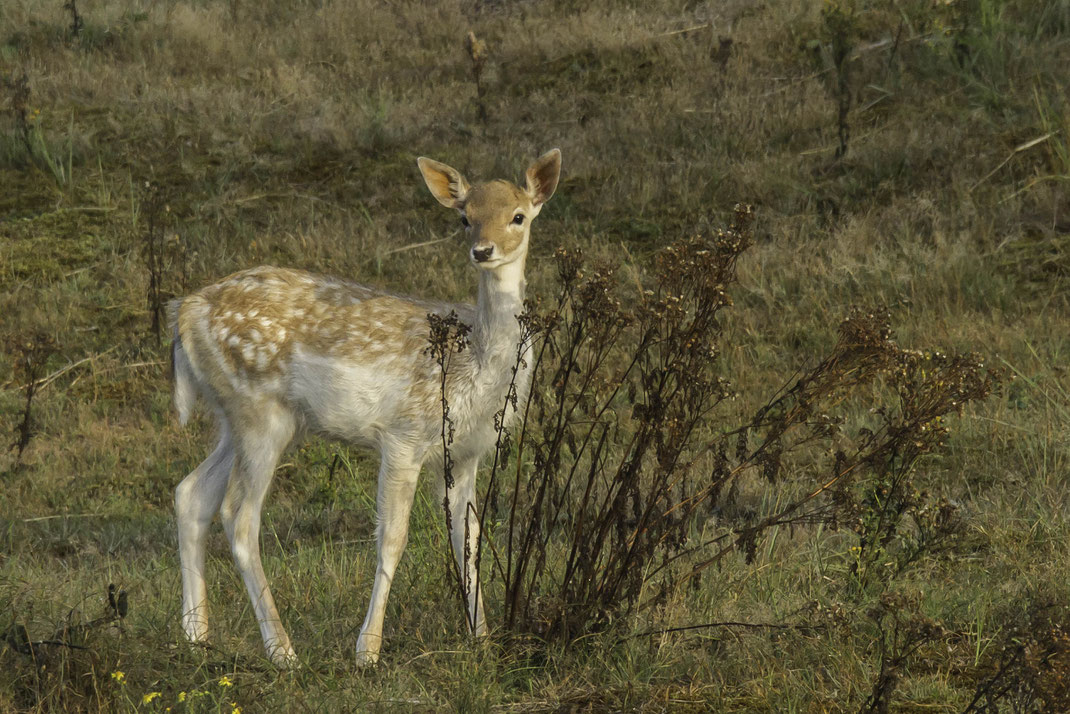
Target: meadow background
x=907 y=153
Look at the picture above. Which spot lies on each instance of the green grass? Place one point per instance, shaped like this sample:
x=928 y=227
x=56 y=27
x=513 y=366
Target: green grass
x=287 y=133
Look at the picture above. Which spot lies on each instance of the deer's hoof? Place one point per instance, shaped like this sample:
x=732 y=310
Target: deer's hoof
x=368 y=650
x=283 y=657
x=367 y=659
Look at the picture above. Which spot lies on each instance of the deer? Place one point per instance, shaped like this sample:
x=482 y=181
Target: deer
x=277 y=354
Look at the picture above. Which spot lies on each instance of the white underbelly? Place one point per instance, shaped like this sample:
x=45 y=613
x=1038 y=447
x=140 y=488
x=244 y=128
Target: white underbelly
x=357 y=402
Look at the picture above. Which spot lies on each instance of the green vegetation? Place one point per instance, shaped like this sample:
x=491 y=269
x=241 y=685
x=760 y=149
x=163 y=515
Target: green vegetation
x=905 y=156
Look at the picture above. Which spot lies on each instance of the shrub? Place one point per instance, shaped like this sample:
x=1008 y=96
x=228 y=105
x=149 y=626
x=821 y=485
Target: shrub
x=621 y=452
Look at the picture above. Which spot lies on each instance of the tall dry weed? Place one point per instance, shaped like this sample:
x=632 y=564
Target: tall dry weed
x=598 y=507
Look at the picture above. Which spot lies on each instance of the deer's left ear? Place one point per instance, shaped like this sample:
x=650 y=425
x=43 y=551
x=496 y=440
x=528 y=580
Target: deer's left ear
x=542 y=177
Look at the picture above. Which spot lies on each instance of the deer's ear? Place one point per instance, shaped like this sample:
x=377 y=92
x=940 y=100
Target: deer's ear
x=542 y=176
x=445 y=182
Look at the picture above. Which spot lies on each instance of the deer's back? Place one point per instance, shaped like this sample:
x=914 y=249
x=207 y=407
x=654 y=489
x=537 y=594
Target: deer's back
x=349 y=360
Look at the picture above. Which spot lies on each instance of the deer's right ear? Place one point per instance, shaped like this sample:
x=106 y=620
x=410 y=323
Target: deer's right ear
x=445 y=182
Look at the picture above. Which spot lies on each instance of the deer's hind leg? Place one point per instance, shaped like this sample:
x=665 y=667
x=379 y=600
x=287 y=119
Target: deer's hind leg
x=265 y=433
x=197 y=500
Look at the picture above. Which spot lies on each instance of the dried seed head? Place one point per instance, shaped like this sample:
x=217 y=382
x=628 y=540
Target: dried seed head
x=476 y=48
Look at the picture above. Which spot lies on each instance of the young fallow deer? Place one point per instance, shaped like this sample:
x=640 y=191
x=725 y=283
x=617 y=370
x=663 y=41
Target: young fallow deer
x=279 y=352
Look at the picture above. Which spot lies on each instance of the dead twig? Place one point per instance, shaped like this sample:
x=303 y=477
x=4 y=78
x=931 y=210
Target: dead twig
x=38 y=519
x=413 y=246
x=1017 y=150
x=49 y=379
x=711 y=625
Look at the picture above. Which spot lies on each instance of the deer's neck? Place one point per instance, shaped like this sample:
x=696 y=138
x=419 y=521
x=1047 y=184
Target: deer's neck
x=501 y=298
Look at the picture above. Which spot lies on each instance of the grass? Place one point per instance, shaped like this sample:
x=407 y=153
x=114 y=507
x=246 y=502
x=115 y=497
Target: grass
x=287 y=133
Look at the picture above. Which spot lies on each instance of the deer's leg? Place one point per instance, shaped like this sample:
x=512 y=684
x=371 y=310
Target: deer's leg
x=464 y=535
x=398 y=474
x=258 y=447
x=197 y=500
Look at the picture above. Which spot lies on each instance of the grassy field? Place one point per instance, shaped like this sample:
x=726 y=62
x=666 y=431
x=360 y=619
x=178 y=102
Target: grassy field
x=906 y=153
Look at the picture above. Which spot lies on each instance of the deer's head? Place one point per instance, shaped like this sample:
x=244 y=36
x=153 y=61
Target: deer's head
x=496 y=215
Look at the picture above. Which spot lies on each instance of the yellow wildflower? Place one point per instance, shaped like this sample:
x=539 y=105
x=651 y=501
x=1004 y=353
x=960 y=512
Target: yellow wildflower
x=225 y=681
x=119 y=677
x=181 y=696
x=149 y=697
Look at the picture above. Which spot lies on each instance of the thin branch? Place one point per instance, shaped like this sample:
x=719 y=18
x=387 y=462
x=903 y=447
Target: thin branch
x=710 y=625
x=38 y=519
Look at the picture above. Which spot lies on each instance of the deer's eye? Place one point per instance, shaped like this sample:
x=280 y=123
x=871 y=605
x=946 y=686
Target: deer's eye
x=518 y=219
x=464 y=221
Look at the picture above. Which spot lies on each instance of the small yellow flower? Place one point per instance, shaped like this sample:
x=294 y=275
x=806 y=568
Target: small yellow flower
x=225 y=681
x=119 y=677
x=149 y=697
x=236 y=709
x=181 y=696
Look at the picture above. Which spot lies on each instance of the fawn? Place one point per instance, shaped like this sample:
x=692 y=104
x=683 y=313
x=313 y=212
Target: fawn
x=276 y=353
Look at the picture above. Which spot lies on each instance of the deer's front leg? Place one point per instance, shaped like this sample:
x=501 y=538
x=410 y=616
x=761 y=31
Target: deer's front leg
x=398 y=476
x=464 y=537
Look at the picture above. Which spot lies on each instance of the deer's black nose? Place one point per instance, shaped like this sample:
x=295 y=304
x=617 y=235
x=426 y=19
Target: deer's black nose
x=481 y=255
